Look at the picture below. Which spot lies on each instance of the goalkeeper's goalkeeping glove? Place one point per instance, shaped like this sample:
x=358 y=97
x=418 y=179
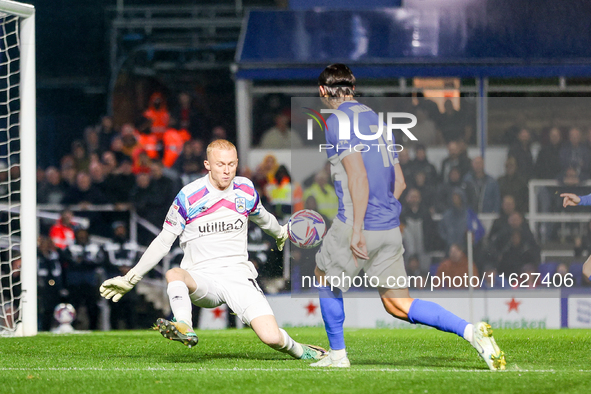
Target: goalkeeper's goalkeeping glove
x=118 y=286
x=282 y=237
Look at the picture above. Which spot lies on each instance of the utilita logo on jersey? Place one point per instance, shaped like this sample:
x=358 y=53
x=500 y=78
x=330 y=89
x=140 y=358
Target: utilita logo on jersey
x=220 y=227
x=377 y=129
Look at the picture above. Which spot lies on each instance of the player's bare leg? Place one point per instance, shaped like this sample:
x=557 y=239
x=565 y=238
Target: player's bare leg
x=180 y=285
x=398 y=303
x=270 y=334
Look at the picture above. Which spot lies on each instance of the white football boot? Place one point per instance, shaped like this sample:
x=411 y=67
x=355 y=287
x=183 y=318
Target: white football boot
x=485 y=345
x=329 y=362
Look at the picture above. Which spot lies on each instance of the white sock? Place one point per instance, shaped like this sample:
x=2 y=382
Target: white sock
x=338 y=354
x=469 y=333
x=180 y=303
x=290 y=346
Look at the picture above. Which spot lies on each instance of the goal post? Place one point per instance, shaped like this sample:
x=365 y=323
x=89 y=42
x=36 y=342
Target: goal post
x=24 y=310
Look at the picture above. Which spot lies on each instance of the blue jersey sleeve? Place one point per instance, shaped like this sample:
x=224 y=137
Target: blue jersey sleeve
x=585 y=200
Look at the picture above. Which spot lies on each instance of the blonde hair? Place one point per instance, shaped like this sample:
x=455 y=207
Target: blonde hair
x=220 y=144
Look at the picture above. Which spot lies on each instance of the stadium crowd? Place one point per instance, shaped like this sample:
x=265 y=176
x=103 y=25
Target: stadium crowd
x=143 y=165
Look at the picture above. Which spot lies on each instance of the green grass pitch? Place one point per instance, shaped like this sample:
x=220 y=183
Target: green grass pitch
x=235 y=361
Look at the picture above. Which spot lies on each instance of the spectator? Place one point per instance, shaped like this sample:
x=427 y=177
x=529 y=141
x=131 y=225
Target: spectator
x=548 y=163
x=4 y=181
x=147 y=141
x=81 y=160
x=420 y=233
x=52 y=191
x=502 y=222
x=575 y=153
x=218 y=133
x=583 y=243
x=190 y=162
x=150 y=203
x=457 y=220
x=121 y=256
x=83 y=259
x=513 y=184
x=506 y=239
x=91 y=140
x=265 y=171
x=445 y=189
x=62 y=232
x=129 y=141
x=281 y=136
x=426 y=130
x=158 y=114
x=456 y=265
x=97 y=178
x=15 y=182
x=324 y=195
x=10 y=288
x=85 y=193
x=428 y=191
x=405 y=164
x=482 y=189
x=186 y=116
x=106 y=133
x=141 y=163
x=279 y=192
x=121 y=182
x=163 y=184
x=118 y=148
x=68 y=172
x=109 y=163
x=517 y=253
x=420 y=163
x=521 y=151
x=173 y=141
x=452 y=124
x=455 y=158
x=571 y=176
x=50 y=284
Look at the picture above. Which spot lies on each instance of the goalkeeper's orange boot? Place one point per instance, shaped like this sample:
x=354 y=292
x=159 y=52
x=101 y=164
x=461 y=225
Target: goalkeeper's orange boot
x=177 y=331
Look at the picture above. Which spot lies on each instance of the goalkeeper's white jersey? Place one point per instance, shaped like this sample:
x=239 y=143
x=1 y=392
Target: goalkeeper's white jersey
x=213 y=224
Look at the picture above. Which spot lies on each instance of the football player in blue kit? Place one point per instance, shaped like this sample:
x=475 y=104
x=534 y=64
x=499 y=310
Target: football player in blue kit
x=366 y=233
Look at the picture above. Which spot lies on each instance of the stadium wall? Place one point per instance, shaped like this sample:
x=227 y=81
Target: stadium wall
x=501 y=308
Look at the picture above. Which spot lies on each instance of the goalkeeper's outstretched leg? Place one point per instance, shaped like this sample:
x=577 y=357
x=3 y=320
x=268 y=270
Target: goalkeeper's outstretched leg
x=177 y=331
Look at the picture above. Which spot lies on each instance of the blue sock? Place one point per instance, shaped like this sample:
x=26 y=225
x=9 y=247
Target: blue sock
x=434 y=315
x=333 y=314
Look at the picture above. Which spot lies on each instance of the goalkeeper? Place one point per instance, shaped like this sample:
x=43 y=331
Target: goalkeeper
x=210 y=216
x=572 y=200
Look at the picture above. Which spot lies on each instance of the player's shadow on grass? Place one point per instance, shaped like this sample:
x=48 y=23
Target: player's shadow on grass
x=425 y=361
x=205 y=357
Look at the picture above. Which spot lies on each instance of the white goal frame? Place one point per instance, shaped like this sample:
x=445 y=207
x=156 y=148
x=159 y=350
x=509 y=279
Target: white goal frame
x=28 y=164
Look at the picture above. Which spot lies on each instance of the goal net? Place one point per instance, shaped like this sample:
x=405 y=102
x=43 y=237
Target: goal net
x=18 y=233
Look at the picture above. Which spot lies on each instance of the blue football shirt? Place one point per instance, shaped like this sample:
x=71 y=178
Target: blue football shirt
x=383 y=209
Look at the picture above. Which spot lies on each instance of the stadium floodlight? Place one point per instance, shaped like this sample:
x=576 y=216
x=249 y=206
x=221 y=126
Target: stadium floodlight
x=18 y=223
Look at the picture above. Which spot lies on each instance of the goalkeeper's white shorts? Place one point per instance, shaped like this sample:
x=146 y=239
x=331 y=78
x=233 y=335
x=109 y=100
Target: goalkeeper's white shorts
x=385 y=252
x=239 y=290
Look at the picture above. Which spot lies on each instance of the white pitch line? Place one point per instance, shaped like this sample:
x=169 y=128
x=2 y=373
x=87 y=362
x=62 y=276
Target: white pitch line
x=158 y=369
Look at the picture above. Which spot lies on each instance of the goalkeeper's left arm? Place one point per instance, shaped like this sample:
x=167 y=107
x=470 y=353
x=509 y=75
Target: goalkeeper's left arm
x=269 y=224
x=118 y=286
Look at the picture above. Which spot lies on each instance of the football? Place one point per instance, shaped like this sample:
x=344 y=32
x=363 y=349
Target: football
x=306 y=229
x=64 y=313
